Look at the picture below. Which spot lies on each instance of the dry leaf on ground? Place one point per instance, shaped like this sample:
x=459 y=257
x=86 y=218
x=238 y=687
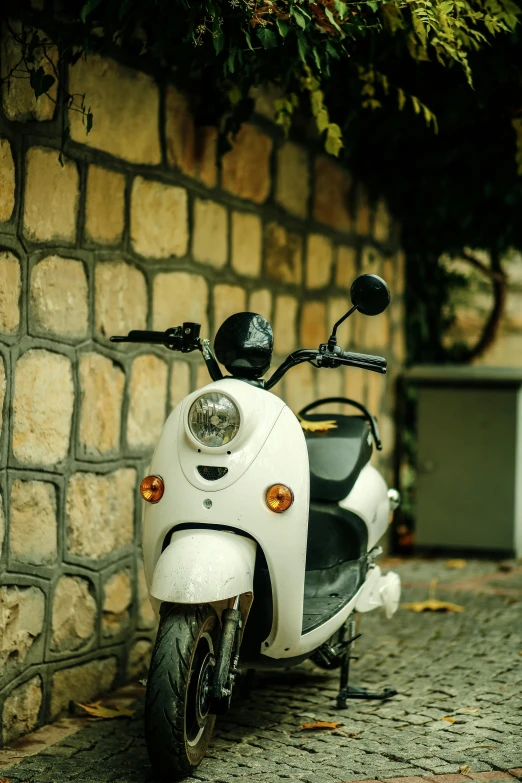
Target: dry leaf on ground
x=320 y=724
x=433 y=605
x=97 y=710
x=457 y=563
x=464 y=769
x=318 y=426
x=4 y=780
x=450 y=720
x=472 y=711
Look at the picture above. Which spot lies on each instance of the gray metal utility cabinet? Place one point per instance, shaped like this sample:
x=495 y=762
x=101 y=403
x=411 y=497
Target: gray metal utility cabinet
x=469 y=438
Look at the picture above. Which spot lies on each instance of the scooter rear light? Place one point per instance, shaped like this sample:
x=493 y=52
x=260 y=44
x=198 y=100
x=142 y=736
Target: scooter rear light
x=152 y=489
x=279 y=497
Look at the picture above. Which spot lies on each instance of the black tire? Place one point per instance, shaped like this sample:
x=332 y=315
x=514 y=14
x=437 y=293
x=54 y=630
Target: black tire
x=178 y=726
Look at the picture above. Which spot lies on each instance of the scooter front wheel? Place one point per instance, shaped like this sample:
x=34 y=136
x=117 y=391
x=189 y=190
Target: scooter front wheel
x=178 y=725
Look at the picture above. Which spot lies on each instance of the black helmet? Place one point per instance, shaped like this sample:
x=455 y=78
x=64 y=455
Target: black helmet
x=244 y=344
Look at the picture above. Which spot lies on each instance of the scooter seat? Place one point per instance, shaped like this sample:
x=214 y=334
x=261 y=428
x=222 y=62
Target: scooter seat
x=337 y=456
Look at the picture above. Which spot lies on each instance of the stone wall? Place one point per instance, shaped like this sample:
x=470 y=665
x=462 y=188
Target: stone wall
x=141 y=229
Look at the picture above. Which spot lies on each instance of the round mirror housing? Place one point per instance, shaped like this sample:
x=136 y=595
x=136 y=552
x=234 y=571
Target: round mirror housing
x=370 y=294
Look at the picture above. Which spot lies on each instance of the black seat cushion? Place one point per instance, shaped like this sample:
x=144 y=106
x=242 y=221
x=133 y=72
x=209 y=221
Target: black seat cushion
x=337 y=456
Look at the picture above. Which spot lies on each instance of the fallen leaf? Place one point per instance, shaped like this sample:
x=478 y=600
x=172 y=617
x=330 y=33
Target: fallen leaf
x=97 y=710
x=4 y=780
x=433 y=605
x=465 y=768
x=472 y=711
x=318 y=426
x=320 y=724
x=450 y=720
x=520 y=652
x=458 y=563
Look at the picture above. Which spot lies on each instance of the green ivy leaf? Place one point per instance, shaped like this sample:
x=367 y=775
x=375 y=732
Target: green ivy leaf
x=373 y=5
x=88 y=8
x=219 y=41
x=283 y=27
x=267 y=37
x=302 y=45
x=300 y=17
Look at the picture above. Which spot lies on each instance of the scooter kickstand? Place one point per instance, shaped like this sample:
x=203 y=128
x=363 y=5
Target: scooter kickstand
x=347 y=691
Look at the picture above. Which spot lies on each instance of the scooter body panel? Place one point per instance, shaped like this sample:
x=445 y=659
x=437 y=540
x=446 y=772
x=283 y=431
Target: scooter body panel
x=204 y=566
x=269 y=448
x=369 y=500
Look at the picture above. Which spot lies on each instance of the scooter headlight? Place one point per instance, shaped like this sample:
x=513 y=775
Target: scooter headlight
x=214 y=419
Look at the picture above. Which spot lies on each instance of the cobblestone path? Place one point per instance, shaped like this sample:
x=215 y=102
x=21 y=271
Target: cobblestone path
x=466 y=667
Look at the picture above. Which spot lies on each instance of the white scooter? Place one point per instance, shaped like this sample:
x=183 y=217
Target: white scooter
x=259 y=530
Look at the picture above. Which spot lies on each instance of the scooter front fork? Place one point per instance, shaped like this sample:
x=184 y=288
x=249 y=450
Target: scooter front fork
x=347 y=691
x=226 y=671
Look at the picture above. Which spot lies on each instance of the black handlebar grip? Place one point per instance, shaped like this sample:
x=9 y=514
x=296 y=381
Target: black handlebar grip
x=141 y=336
x=365 y=361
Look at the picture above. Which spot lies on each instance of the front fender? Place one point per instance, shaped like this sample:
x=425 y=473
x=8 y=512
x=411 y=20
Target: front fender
x=204 y=565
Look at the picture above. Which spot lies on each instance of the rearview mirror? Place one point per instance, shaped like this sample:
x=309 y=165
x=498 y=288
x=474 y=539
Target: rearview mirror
x=370 y=294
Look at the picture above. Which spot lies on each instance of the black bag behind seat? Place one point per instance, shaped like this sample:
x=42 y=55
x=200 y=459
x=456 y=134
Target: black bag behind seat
x=337 y=456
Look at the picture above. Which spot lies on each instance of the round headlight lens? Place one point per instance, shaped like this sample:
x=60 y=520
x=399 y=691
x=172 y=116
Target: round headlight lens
x=213 y=419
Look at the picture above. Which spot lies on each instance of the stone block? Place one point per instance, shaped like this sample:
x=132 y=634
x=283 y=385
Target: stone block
x=300 y=389
x=42 y=407
x=378 y=333
x=120 y=298
x=18 y=98
x=74 y=614
x=51 y=197
x=400 y=272
x=82 y=683
x=21 y=710
x=2 y=523
x=22 y=611
x=346 y=270
x=7 y=181
x=246 y=243
x=146 y=616
x=283 y=255
x=125 y=107
x=228 y=299
x=101 y=397
x=179 y=383
x=293 y=179
x=191 y=149
x=330 y=384
x=371 y=261
x=117 y=592
x=59 y=299
x=313 y=324
x=139 y=659
x=9 y=292
x=246 y=167
x=202 y=376
x=3 y=388
x=34 y=527
x=104 y=206
x=210 y=235
x=100 y=512
x=319 y=259
x=355 y=381
x=363 y=213
x=261 y=302
x=332 y=194
x=382 y=223
x=147 y=402
x=179 y=297
x=285 y=324
x=159 y=219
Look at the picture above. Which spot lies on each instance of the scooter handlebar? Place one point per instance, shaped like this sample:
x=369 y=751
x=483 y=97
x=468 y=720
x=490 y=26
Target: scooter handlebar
x=364 y=361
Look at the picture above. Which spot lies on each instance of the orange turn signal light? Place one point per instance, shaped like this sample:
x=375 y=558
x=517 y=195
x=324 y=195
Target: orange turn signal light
x=279 y=497
x=152 y=489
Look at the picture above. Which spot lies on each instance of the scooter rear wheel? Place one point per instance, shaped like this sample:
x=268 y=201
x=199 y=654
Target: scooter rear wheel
x=178 y=726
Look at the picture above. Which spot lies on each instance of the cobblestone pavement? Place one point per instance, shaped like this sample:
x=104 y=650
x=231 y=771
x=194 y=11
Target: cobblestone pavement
x=466 y=667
